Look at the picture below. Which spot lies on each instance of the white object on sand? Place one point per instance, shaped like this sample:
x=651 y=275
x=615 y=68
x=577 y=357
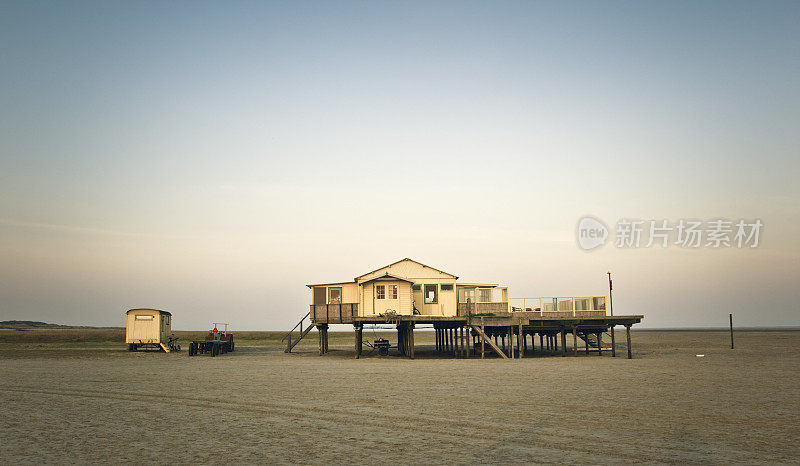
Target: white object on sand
x=699 y=355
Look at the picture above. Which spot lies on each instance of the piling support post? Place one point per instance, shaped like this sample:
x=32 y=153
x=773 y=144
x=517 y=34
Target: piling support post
x=358 y=341
x=321 y=332
x=541 y=342
x=520 y=340
x=456 y=348
x=575 y=340
x=483 y=341
x=563 y=341
x=730 y=316
x=600 y=343
x=411 y=341
x=613 y=343
x=466 y=341
x=628 y=332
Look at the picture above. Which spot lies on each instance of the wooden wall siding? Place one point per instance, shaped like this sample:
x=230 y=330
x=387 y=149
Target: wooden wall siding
x=401 y=305
x=333 y=313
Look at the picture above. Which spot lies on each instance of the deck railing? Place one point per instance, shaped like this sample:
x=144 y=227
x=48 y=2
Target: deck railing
x=577 y=305
x=334 y=313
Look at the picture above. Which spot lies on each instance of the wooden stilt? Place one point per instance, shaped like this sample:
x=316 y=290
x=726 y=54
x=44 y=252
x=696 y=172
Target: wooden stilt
x=520 y=340
x=483 y=343
x=586 y=341
x=461 y=344
x=321 y=332
x=411 y=341
x=401 y=340
x=563 y=341
x=541 y=343
x=599 y=343
x=511 y=340
x=358 y=342
x=575 y=340
x=525 y=343
x=613 y=344
x=555 y=343
x=465 y=348
x=628 y=331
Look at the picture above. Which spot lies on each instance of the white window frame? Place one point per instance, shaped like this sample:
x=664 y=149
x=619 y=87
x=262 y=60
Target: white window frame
x=380 y=291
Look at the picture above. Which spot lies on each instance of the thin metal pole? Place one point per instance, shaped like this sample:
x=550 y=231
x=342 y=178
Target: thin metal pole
x=731 y=319
x=610 y=296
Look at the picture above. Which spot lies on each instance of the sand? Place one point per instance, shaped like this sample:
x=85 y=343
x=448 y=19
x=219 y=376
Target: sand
x=92 y=402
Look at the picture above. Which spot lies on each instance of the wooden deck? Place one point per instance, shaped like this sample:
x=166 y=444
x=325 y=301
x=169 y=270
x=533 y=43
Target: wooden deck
x=493 y=332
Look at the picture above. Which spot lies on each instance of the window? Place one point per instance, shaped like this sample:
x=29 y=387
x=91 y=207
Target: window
x=447 y=287
x=144 y=317
x=380 y=291
x=334 y=295
x=392 y=291
x=485 y=295
x=431 y=294
x=416 y=287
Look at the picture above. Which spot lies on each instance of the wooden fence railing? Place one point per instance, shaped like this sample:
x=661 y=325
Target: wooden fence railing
x=333 y=313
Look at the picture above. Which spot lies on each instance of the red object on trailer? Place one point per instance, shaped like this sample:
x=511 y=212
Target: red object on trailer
x=215 y=343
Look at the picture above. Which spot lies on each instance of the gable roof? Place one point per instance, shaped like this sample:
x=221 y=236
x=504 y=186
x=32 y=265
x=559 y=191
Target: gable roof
x=148 y=309
x=410 y=261
x=385 y=277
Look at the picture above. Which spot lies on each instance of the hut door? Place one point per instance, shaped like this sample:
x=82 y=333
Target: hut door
x=320 y=296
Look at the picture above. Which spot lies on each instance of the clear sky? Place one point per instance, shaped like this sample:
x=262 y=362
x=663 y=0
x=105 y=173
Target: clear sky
x=212 y=158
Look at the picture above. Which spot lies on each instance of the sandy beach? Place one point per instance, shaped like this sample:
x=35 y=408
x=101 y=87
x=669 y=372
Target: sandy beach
x=95 y=402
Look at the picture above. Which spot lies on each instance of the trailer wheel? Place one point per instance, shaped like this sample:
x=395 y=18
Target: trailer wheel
x=134 y=347
x=130 y=347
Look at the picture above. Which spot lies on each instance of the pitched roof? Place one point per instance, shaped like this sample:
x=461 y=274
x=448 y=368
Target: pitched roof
x=311 y=285
x=148 y=309
x=401 y=260
x=385 y=277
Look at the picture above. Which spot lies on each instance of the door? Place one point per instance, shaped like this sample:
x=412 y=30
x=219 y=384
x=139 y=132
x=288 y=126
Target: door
x=466 y=296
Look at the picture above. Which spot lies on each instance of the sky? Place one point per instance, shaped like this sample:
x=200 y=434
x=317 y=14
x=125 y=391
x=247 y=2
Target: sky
x=212 y=158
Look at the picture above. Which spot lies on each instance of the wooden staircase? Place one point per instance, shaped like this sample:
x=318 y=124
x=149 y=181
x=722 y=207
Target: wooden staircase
x=292 y=342
x=591 y=341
